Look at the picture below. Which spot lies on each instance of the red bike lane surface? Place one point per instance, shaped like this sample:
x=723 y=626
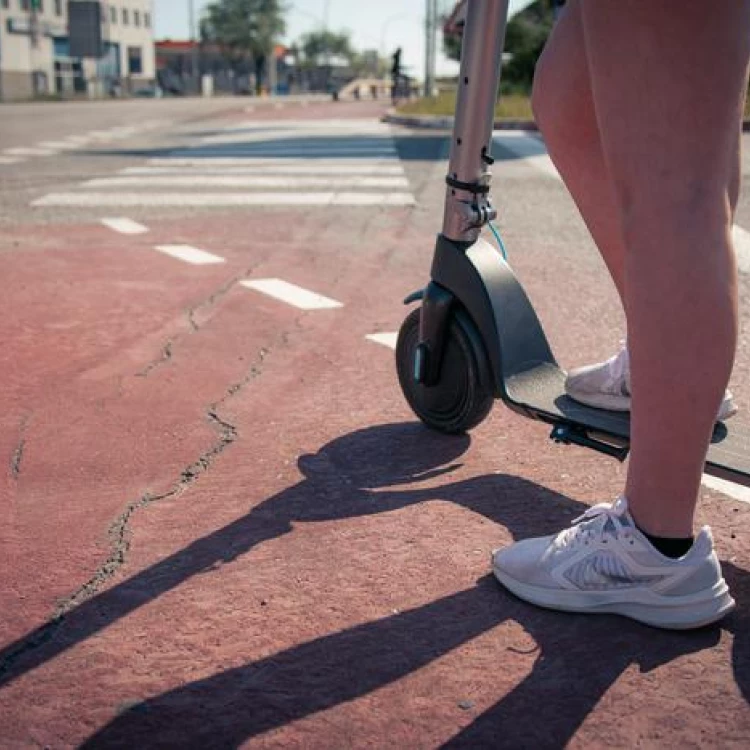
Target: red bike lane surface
x=278 y=555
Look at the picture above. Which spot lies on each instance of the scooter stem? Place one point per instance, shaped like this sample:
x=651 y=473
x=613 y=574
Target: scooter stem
x=467 y=205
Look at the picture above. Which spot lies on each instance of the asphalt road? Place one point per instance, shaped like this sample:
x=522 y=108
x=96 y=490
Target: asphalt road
x=220 y=524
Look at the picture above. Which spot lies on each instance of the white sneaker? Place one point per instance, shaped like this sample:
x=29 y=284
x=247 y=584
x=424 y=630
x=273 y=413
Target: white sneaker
x=607 y=386
x=604 y=564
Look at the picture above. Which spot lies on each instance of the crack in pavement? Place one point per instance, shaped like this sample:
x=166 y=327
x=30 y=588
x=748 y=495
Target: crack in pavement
x=118 y=530
x=15 y=459
x=167 y=349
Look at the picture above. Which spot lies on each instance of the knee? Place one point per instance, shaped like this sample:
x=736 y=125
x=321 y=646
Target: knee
x=562 y=104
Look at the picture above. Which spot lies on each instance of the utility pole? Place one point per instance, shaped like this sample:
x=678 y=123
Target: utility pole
x=430 y=51
x=194 y=62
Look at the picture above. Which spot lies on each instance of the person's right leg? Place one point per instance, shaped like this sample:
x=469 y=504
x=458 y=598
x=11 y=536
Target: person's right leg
x=668 y=89
x=669 y=86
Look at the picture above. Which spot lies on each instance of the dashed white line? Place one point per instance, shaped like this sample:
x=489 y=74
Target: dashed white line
x=226 y=199
x=206 y=181
x=291 y=294
x=386 y=339
x=736 y=491
x=124 y=225
x=190 y=254
x=11 y=159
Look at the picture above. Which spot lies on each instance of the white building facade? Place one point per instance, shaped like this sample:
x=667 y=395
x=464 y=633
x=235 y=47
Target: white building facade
x=35 y=54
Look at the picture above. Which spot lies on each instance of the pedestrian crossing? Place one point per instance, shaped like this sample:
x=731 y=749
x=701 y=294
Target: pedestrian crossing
x=315 y=163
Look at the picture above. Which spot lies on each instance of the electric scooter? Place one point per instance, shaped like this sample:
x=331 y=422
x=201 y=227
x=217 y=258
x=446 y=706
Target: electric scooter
x=475 y=337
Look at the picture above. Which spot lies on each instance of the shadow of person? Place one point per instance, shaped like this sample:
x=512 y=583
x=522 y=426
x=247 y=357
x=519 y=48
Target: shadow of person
x=370 y=471
x=578 y=657
x=339 y=483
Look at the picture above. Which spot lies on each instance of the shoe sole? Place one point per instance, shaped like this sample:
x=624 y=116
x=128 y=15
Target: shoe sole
x=622 y=403
x=671 y=616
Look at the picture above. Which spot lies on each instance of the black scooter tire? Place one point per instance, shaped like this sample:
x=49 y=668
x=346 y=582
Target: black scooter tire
x=463 y=396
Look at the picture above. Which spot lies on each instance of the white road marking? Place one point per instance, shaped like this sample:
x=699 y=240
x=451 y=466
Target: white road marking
x=57 y=145
x=741 y=239
x=24 y=151
x=226 y=199
x=190 y=254
x=387 y=339
x=291 y=294
x=250 y=109
x=78 y=139
x=529 y=147
x=301 y=169
x=248 y=161
x=124 y=226
x=205 y=181
x=325 y=152
x=11 y=159
x=736 y=491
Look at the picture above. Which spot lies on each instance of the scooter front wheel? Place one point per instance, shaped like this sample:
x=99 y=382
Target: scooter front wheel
x=462 y=396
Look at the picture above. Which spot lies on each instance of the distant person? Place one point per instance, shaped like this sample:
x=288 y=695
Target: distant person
x=397 y=74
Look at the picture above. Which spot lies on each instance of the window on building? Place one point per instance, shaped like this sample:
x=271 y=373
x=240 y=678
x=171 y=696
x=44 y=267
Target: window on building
x=25 y=5
x=58 y=8
x=136 y=18
x=147 y=20
x=135 y=64
x=112 y=14
x=125 y=19
x=5 y=4
x=40 y=6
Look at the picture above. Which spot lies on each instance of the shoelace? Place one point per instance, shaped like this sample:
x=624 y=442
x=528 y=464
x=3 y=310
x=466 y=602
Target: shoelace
x=591 y=524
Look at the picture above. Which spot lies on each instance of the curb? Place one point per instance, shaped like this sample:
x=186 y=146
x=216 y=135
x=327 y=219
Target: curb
x=434 y=122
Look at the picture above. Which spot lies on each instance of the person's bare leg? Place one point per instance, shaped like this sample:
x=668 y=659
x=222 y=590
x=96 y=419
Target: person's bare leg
x=668 y=84
x=563 y=107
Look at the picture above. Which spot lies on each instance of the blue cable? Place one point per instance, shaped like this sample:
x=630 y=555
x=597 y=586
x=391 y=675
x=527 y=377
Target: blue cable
x=499 y=240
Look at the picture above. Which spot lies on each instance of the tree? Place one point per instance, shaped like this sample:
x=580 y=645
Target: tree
x=244 y=30
x=525 y=37
x=318 y=46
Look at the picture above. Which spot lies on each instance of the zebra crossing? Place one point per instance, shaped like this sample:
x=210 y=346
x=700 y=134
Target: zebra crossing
x=261 y=163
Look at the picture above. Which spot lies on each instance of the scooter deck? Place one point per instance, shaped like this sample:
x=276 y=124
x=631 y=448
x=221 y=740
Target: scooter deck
x=540 y=393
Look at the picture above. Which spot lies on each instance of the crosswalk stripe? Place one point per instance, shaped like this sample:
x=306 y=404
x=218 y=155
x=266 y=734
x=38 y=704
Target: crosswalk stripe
x=226 y=199
x=25 y=151
x=308 y=152
x=296 y=169
x=205 y=181
x=219 y=161
x=189 y=254
x=291 y=294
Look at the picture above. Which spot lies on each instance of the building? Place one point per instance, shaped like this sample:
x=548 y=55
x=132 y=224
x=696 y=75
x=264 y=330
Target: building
x=35 y=54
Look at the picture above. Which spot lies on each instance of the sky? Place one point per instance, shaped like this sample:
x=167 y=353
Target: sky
x=382 y=25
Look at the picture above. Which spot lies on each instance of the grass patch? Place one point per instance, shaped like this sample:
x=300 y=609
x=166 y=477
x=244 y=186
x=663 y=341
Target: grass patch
x=510 y=106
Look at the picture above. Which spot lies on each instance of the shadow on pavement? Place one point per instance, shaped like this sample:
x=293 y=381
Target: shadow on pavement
x=362 y=473
x=328 y=148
